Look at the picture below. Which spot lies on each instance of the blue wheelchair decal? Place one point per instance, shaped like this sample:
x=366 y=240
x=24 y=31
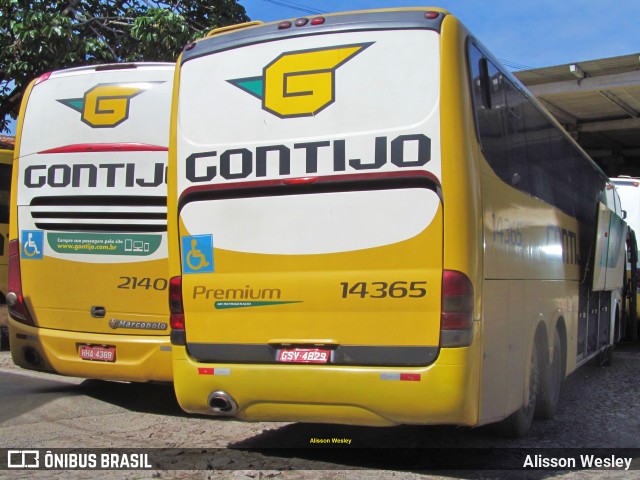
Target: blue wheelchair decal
x=32 y=244
x=197 y=254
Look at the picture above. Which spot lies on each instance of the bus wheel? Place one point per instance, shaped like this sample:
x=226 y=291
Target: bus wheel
x=4 y=329
x=518 y=423
x=551 y=380
x=605 y=357
x=4 y=338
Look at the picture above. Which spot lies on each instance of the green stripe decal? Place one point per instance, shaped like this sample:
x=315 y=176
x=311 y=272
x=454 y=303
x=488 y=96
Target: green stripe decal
x=240 y=304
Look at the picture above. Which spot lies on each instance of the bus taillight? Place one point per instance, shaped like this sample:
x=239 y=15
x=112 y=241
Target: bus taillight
x=176 y=319
x=15 y=300
x=456 y=326
x=42 y=78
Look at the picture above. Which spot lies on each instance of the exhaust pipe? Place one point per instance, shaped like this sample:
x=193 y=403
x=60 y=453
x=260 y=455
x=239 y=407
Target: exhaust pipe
x=32 y=357
x=222 y=403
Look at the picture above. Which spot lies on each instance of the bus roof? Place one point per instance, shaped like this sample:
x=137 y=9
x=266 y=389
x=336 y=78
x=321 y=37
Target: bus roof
x=110 y=66
x=255 y=32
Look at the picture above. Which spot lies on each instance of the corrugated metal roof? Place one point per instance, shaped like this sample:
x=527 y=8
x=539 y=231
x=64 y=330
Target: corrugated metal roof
x=598 y=102
x=603 y=66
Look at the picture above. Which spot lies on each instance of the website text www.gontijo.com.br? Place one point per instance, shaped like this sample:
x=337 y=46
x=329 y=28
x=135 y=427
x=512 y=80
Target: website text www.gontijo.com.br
x=90 y=245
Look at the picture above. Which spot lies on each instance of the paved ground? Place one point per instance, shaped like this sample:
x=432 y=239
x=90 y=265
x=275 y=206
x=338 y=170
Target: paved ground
x=599 y=408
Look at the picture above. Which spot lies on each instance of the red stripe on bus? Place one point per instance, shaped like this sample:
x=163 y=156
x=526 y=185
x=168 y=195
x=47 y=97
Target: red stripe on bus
x=106 y=147
x=313 y=180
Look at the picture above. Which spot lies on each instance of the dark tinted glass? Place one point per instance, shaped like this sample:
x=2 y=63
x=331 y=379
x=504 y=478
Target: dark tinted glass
x=526 y=149
x=5 y=187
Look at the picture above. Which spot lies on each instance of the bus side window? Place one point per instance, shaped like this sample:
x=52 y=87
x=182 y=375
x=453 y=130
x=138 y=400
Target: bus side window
x=523 y=146
x=485 y=83
x=488 y=105
x=516 y=133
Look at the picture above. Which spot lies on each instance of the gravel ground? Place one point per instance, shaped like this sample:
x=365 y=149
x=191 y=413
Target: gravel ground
x=599 y=408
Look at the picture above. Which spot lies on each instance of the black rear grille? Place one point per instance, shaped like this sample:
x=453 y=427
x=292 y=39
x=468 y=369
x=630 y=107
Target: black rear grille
x=100 y=213
x=101 y=200
x=104 y=215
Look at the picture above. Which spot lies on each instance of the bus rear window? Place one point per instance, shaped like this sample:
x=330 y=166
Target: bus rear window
x=315 y=223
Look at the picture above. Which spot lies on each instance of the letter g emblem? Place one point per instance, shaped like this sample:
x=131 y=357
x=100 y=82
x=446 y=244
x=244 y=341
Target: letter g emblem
x=300 y=83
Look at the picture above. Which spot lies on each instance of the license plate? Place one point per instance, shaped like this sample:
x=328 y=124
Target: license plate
x=304 y=355
x=99 y=353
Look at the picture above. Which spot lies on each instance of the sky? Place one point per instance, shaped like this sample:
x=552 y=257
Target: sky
x=523 y=34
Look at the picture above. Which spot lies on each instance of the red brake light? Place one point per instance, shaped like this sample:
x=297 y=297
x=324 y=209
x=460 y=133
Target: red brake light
x=175 y=304
x=431 y=15
x=106 y=147
x=456 y=327
x=15 y=299
x=301 y=22
x=42 y=78
x=284 y=25
x=317 y=21
x=177 y=321
x=300 y=180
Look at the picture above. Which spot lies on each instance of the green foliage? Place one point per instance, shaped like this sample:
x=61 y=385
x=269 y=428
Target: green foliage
x=38 y=36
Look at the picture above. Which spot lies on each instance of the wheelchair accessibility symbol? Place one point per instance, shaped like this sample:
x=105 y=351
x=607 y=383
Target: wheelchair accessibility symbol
x=197 y=254
x=32 y=244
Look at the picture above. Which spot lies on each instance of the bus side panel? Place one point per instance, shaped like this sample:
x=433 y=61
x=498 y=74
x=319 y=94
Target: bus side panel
x=462 y=189
x=526 y=238
x=495 y=326
x=460 y=165
x=544 y=232
x=531 y=277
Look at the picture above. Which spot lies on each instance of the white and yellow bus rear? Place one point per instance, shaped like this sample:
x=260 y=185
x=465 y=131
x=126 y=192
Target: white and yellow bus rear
x=370 y=222
x=88 y=242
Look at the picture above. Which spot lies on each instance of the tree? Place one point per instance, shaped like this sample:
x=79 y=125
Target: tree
x=38 y=36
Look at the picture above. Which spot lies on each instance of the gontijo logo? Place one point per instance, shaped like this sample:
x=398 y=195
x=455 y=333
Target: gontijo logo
x=106 y=105
x=301 y=83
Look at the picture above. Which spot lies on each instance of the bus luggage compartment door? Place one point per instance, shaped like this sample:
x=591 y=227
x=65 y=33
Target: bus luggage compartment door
x=344 y=277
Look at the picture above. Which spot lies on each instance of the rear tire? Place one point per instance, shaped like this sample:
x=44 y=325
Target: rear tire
x=605 y=357
x=4 y=338
x=551 y=380
x=517 y=425
x=4 y=329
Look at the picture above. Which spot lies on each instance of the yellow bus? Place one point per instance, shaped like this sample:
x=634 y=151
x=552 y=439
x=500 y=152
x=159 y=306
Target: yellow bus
x=6 y=161
x=88 y=242
x=371 y=222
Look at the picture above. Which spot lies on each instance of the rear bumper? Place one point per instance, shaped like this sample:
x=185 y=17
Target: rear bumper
x=138 y=358
x=445 y=392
